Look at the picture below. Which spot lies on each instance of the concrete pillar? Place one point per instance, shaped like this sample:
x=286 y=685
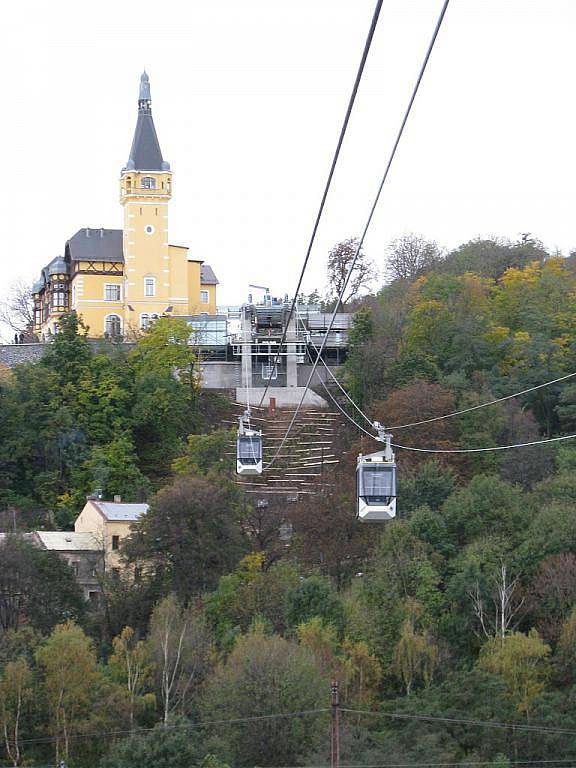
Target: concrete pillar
x=247 y=348
x=291 y=359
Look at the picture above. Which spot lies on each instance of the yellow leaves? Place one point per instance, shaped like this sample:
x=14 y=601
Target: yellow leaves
x=415 y=657
x=497 y=334
x=515 y=278
x=522 y=337
x=522 y=663
x=350 y=662
x=251 y=566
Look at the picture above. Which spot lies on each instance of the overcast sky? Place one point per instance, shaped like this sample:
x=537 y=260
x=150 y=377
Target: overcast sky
x=248 y=97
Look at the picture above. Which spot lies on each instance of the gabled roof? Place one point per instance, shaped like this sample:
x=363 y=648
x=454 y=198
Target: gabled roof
x=145 y=153
x=95 y=245
x=207 y=276
x=68 y=541
x=119 y=511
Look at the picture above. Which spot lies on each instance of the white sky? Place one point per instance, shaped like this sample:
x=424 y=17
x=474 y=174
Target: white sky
x=248 y=97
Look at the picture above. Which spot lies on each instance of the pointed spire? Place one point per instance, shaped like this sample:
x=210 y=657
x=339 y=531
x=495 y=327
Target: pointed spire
x=145 y=154
x=144 y=99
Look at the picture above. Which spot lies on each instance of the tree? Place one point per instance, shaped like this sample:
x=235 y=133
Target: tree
x=415 y=657
x=17 y=310
x=565 y=661
x=69 y=352
x=491 y=257
x=251 y=592
x=179 y=746
x=417 y=401
x=68 y=661
x=15 y=693
x=36 y=586
x=340 y=259
x=180 y=644
x=113 y=468
x=487 y=506
x=501 y=616
x=191 y=536
x=204 y=454
x=165 y=349
x=410 y=256
x=314 y=597
x=131 y=666
x=552 y=594
x=522 y=662
x=267 y=675
x=429 y=484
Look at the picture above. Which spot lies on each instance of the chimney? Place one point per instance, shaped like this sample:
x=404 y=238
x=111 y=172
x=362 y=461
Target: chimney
x=87 y=232
x=117 y=499
x=101 y=232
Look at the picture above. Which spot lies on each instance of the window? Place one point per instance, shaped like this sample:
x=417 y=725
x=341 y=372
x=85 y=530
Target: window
x=115 y=542
x=377 y=484
x=93 y=598
x=269 y=371
x=250 y=449
x=144 y=322
x=112 y=292
x=153 y=318
x=148 y=182
x=59 y=299
x=149 y=286
x=204 y=297
x=75 y=565
x=113 y=325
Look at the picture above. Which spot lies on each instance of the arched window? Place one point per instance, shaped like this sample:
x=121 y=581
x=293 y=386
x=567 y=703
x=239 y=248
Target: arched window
x=148 y=182
x=153 y=318
x=113 y=326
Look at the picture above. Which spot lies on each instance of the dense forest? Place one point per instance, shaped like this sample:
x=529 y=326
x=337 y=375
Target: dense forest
x=451 y=630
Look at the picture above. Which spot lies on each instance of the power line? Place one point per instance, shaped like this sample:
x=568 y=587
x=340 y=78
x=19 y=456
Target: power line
x=484 y=405
x=483 y=450
x=464 y=721
x=186 y=726
x=559 y=761
x=368 y=222
x=351 y=101
x=438 y=450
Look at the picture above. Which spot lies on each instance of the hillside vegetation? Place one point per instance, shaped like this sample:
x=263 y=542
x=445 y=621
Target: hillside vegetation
x=452 y=630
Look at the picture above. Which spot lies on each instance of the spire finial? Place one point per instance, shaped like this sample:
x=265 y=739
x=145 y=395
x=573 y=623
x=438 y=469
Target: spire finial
x=144 y=99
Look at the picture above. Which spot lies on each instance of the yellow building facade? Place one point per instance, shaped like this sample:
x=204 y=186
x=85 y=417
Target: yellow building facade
x=109 y=523
x=121 y=280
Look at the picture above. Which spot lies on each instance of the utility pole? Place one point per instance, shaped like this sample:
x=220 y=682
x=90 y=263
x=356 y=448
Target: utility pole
x=335 y=700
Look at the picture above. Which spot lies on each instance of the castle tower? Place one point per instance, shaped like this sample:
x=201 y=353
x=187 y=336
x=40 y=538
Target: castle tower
x=145 y=191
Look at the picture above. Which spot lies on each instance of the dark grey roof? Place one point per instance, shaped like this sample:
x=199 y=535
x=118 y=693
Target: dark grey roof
x=57 y=266
x=207 y=276
x=95 y=245
x=145 y=154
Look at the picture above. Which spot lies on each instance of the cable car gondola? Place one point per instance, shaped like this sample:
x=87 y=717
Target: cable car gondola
x=248 y=448
x=376 y=483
